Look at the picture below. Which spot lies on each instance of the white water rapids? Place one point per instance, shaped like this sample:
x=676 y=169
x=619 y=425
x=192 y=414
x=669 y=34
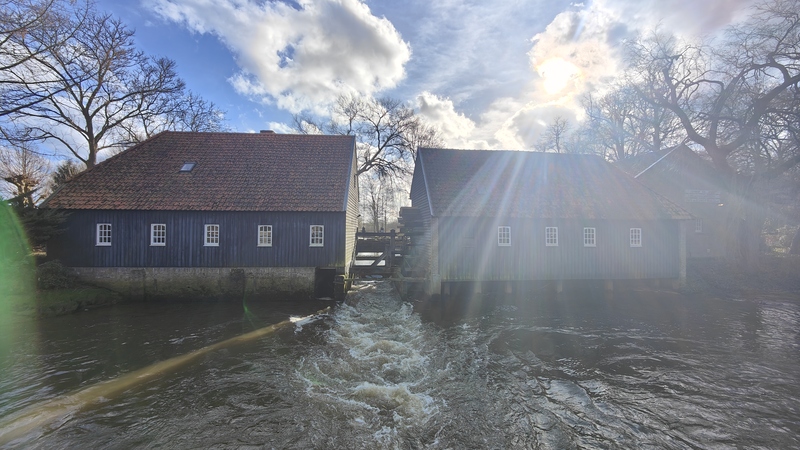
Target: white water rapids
x=640 y=370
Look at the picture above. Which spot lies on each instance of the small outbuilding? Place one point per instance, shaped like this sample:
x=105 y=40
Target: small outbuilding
x=690 y=181
x=512 y=216
x=210 y=215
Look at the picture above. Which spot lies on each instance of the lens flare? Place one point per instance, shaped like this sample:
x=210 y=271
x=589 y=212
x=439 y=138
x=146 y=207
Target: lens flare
x=17 y=288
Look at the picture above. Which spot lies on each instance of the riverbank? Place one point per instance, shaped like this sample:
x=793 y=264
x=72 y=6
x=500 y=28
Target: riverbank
x=775 y=274
x=59 y=302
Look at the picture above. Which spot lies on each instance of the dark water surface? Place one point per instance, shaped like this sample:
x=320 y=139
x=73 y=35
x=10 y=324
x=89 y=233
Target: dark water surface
x=639 y=370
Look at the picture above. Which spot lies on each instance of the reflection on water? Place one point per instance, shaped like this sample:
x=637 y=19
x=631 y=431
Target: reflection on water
x=636 y=370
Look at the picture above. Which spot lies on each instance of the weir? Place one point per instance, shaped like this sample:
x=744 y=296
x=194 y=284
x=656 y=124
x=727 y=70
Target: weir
x=42 y=414
x=379 y=253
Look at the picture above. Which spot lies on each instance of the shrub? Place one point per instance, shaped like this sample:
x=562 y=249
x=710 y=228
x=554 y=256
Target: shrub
x=54 y=275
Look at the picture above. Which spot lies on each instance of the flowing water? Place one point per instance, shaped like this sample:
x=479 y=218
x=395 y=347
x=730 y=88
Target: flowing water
x=636 y=370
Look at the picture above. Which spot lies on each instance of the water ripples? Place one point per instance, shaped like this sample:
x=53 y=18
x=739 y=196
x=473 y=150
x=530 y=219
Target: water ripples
x=630 y=372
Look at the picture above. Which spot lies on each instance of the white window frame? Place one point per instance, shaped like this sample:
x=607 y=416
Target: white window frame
x=211 y=235
x=265 y=235
x=590 y=237
x=698 y=225
x=103 y=235
x=636 y=237
x=504 y=236
x=551 y=236
x=158 y=234
x=316 y=239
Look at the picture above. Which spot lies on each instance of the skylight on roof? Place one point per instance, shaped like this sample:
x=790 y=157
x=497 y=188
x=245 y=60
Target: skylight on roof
x=187 y=167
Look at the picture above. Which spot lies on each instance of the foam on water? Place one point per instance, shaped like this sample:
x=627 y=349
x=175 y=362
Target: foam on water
x=373 y=365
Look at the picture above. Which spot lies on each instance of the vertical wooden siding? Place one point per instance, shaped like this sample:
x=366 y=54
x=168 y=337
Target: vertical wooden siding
x=130 y=242
x=468 y=250
x=352 y=215
x=419 y=200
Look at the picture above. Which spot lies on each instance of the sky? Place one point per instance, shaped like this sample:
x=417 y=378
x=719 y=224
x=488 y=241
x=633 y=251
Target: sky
x=487 y=74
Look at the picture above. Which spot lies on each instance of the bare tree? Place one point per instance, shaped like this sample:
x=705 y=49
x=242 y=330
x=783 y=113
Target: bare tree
x=721 y=95
x=555 y=135
x=24 y=171
x=725 y=95
x=31 y=30
x=387 y=131
x=187 y=112
x=97 y=82
x=623 y=124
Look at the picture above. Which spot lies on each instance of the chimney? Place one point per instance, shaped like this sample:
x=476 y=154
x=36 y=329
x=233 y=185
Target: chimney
x=267 y=132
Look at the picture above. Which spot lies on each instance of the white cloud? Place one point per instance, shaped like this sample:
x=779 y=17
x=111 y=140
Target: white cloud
x=301 y=56
x=686 y=17
x=578 y=52
x=455 y=128
x=280 y=127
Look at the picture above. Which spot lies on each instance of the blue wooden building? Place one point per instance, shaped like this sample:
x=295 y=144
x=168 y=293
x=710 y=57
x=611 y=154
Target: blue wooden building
x=690 y=181
x=511 y=216
x=188 y=214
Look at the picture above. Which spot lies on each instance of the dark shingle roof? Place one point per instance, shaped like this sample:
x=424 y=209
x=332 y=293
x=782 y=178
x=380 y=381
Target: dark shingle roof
x=675 y=164
x=486 y=183
x=233 y=172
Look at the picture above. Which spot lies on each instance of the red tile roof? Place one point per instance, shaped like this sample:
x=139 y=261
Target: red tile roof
x=487 y=183
x=233 y=172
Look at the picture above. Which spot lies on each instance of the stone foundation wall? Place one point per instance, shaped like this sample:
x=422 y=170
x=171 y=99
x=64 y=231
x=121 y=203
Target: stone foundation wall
x=201 y=283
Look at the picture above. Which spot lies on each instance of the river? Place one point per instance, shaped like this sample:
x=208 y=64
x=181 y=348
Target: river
x=637 y=370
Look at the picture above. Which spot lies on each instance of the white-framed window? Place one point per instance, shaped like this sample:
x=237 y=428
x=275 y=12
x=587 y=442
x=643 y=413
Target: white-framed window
x=698 y=225
x=158 y=234
x=265 y=235
x=103 y=234
x=589 y=237
x=317 y=236
x=212 y=235
x=636 y=237
x=504 y=236
x=551 y=236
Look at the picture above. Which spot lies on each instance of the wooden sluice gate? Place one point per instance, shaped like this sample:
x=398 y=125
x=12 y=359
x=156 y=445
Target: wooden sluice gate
x=390 y=255
x=378 y=253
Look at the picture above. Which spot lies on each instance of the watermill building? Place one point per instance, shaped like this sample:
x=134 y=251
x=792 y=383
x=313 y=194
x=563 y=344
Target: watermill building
x=508 y=216
x=197 y=215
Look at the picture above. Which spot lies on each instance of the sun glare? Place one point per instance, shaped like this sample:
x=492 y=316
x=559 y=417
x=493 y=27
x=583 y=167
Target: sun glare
x=557 y=74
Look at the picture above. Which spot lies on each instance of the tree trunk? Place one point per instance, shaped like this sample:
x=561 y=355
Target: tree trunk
x=794 y=249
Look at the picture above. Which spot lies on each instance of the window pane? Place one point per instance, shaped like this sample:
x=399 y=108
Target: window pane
x=551 y=236
x=265 y=235
x=317 y=235
x=589 y=237
x=504 y=235
x=158 y=234
x=636 y=237
x=103 y=234
x=212 y=235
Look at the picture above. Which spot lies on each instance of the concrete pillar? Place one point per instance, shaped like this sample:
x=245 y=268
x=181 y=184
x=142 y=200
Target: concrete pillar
x=390 y=255
x=138 y=284
x=682 y=255
x=435 y=285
